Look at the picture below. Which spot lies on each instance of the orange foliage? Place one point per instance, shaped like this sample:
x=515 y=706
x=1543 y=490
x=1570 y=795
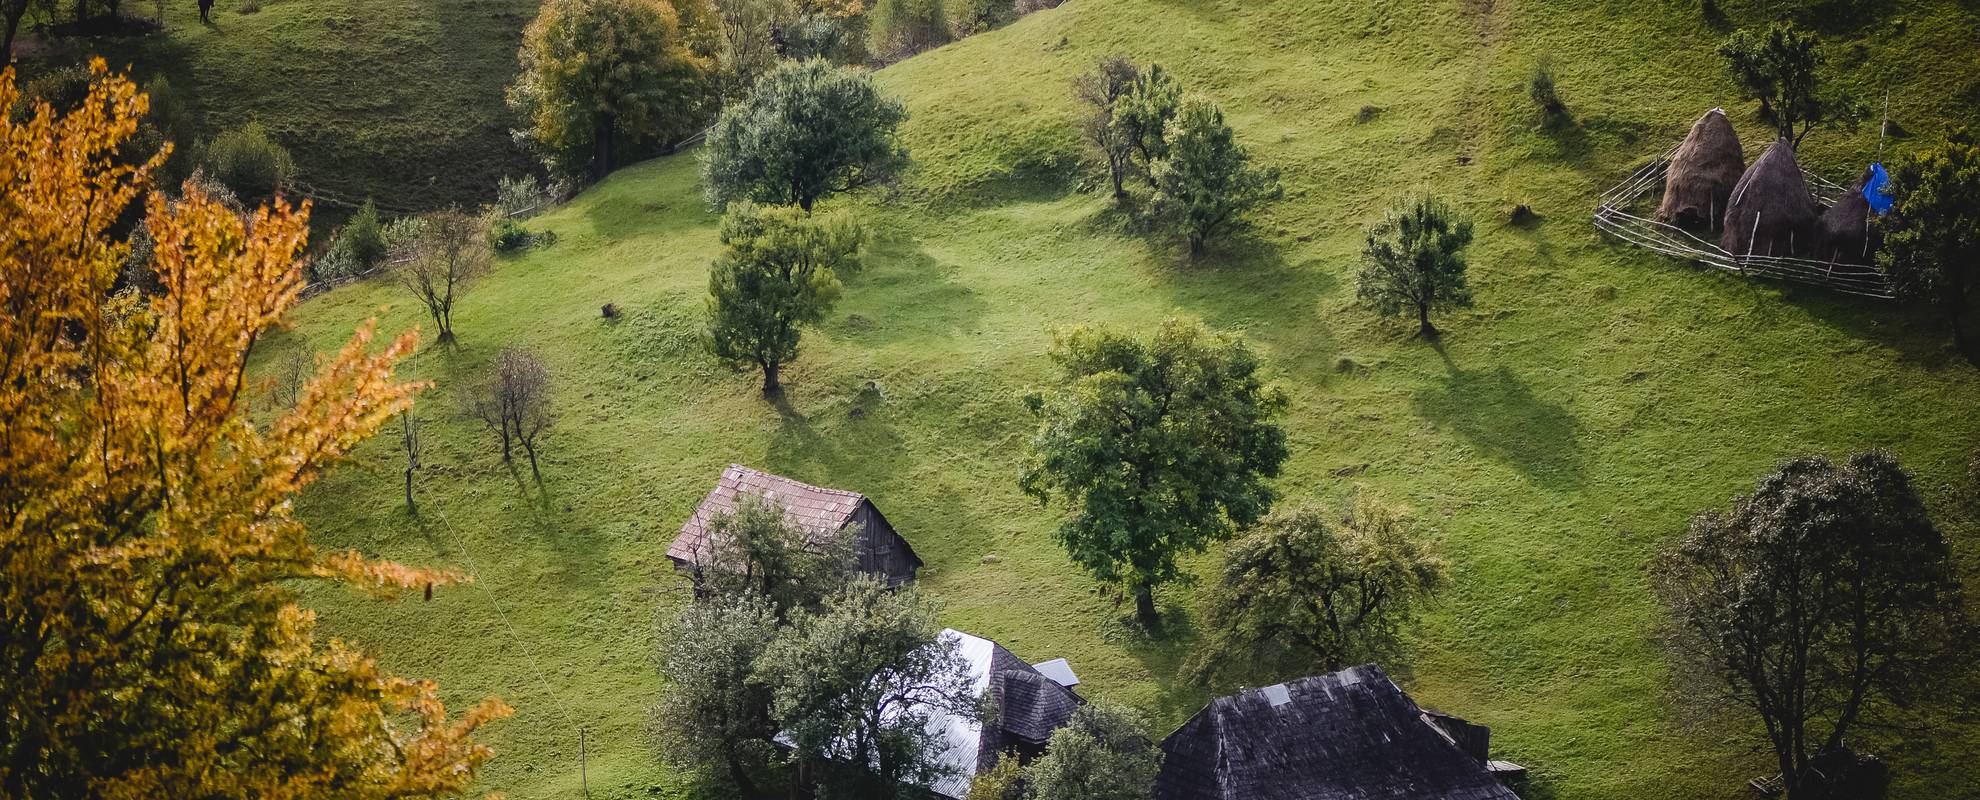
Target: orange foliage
x=150 y=643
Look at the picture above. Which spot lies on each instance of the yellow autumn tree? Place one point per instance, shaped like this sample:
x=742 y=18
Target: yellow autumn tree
x=150 y=640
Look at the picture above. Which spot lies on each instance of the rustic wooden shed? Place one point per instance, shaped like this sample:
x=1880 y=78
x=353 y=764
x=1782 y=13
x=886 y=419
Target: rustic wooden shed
x=1348 y=735
x=815 y=510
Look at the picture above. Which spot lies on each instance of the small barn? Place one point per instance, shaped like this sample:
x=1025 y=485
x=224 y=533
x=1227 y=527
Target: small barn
x=1845 y=233
x=815 y=510
x=1771 y=212
x=1702 y=173
x=1348 y=735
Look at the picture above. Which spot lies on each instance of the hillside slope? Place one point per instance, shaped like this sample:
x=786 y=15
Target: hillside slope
x=1569 y=425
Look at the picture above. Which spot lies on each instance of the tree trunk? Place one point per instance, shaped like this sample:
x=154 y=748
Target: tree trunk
x=505 y=442
x=1423 y=326
x=1962 y=338
x=15 y=10
x=770 y=383
x=739 y=775
x=1144 y=606
x=410 y=508
x=601 y=140
x=530 y=448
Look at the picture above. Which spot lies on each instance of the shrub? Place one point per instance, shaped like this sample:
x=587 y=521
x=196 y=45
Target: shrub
x=1029 y=6
x=250 y=162
x=1544 y=94
x=507 y=235
x=1207 y=182
x=901 y=28
x=520 y=196
x=974 y=16
x=364 y=236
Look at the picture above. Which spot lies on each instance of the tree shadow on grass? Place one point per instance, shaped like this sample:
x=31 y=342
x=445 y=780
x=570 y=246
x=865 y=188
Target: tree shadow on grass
x=906 y=295
x=844 y=441
x=1162 y=651
x=1498 y=412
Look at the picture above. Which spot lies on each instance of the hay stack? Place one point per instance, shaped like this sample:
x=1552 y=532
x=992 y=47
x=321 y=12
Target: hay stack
x=1845 y=234
x=1702 y=173
x=1771 y=212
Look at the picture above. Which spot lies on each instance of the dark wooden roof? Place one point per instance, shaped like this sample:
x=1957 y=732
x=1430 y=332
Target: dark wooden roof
x=1349 y=735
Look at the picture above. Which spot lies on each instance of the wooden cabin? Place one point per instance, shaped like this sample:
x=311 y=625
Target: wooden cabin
x=815 y=510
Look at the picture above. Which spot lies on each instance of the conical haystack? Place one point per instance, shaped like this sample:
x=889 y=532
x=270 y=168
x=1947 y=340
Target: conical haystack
x=1846 y=235
x=1771 y=212
x=1702 y=173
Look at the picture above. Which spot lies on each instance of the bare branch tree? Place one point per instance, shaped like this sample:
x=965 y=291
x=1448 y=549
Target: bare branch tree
x=450 y=250
x=410 y=444
x=292 y=374
x=515 y=403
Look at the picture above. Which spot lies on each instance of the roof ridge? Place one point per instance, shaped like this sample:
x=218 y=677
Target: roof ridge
x=813 y=487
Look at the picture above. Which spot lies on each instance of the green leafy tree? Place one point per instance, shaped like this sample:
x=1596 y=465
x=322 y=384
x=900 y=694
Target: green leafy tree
x=779 y=271
x=1158 y=446
x=1103 y=753
x=856 y=683
x=1780 y=67
x=1207 y=182
x=975 y=16
x=1413 y=260
x=810 y=130
x=1329 y=592
x=749 y=43
x=1813 y=601
x=1100 y=91
x=757 y=550
x=1932 y=244
x=902 y=28
x=715 y=713
x=1141 y=117
x=597 y=74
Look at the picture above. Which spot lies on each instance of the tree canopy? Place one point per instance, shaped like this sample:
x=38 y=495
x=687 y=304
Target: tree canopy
x=757 y=550
x=855 y=684
x=150 y=554
x=1206 y=179
x=1102 y=753
x=1158 y=446
x=1413 y=261
x=600 y=73
x=1812 y=602
x=808 y=131
x=779 y=272
x=1780 y=68
x=715 y=713
x=1329 y=590
x=1932 y=244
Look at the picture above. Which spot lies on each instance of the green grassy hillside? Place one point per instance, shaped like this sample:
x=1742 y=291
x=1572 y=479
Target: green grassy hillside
x=396 y=100
x=1567 y=427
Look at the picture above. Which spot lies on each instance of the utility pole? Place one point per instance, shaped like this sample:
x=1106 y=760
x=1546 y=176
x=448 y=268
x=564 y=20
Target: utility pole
x=584 y=781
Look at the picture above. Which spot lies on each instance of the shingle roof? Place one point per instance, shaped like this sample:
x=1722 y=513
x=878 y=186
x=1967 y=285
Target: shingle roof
x=1030 y=706
x=814 y=509
x=1349 y=735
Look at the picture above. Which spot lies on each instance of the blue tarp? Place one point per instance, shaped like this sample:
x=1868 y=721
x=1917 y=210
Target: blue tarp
x=1877 y=190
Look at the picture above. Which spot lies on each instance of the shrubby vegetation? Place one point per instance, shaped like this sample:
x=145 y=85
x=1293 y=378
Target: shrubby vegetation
x=1328 y=591
x=1158 y=447
x=250 y=162
x=1932 y=242
x=1103 y=753
x=809 y=131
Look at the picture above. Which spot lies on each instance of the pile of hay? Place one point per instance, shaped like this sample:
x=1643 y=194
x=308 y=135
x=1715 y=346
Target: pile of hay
x=1702 y=173
x=1847 y=236
x=1771 y=212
